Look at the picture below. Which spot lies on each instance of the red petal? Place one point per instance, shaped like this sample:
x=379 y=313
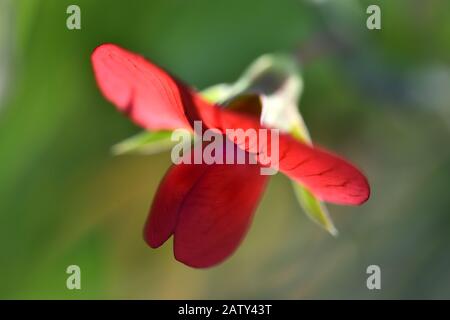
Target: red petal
x=150 y=96
x=328 y=176
x=217 y=213
x=208 y=208
x=167 y=202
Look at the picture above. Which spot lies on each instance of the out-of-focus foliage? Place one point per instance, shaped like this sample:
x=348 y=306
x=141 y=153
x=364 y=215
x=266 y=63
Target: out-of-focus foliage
x=64 y=199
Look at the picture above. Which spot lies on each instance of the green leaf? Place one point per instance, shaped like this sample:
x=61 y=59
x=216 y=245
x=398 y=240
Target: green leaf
x=314 y=208
x=217 y=93
x=145 y=143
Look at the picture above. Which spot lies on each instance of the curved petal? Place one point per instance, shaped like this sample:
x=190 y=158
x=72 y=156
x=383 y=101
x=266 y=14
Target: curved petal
x=148 y=94
x=208 y=208
x=328 y=176
x=166 y=205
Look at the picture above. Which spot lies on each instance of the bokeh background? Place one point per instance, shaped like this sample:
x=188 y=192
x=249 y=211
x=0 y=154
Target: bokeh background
x=380 y=98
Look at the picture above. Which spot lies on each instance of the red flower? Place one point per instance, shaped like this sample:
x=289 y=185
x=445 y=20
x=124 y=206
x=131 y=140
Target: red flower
x=208 y=208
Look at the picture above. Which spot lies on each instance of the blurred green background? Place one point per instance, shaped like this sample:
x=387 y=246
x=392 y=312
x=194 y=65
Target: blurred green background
x=380 y=98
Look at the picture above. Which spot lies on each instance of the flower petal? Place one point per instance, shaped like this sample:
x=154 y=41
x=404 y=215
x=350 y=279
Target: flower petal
x=217 y=213
x=327 y=176
x=149 y=95
x=208 y=208
x=167 y=203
